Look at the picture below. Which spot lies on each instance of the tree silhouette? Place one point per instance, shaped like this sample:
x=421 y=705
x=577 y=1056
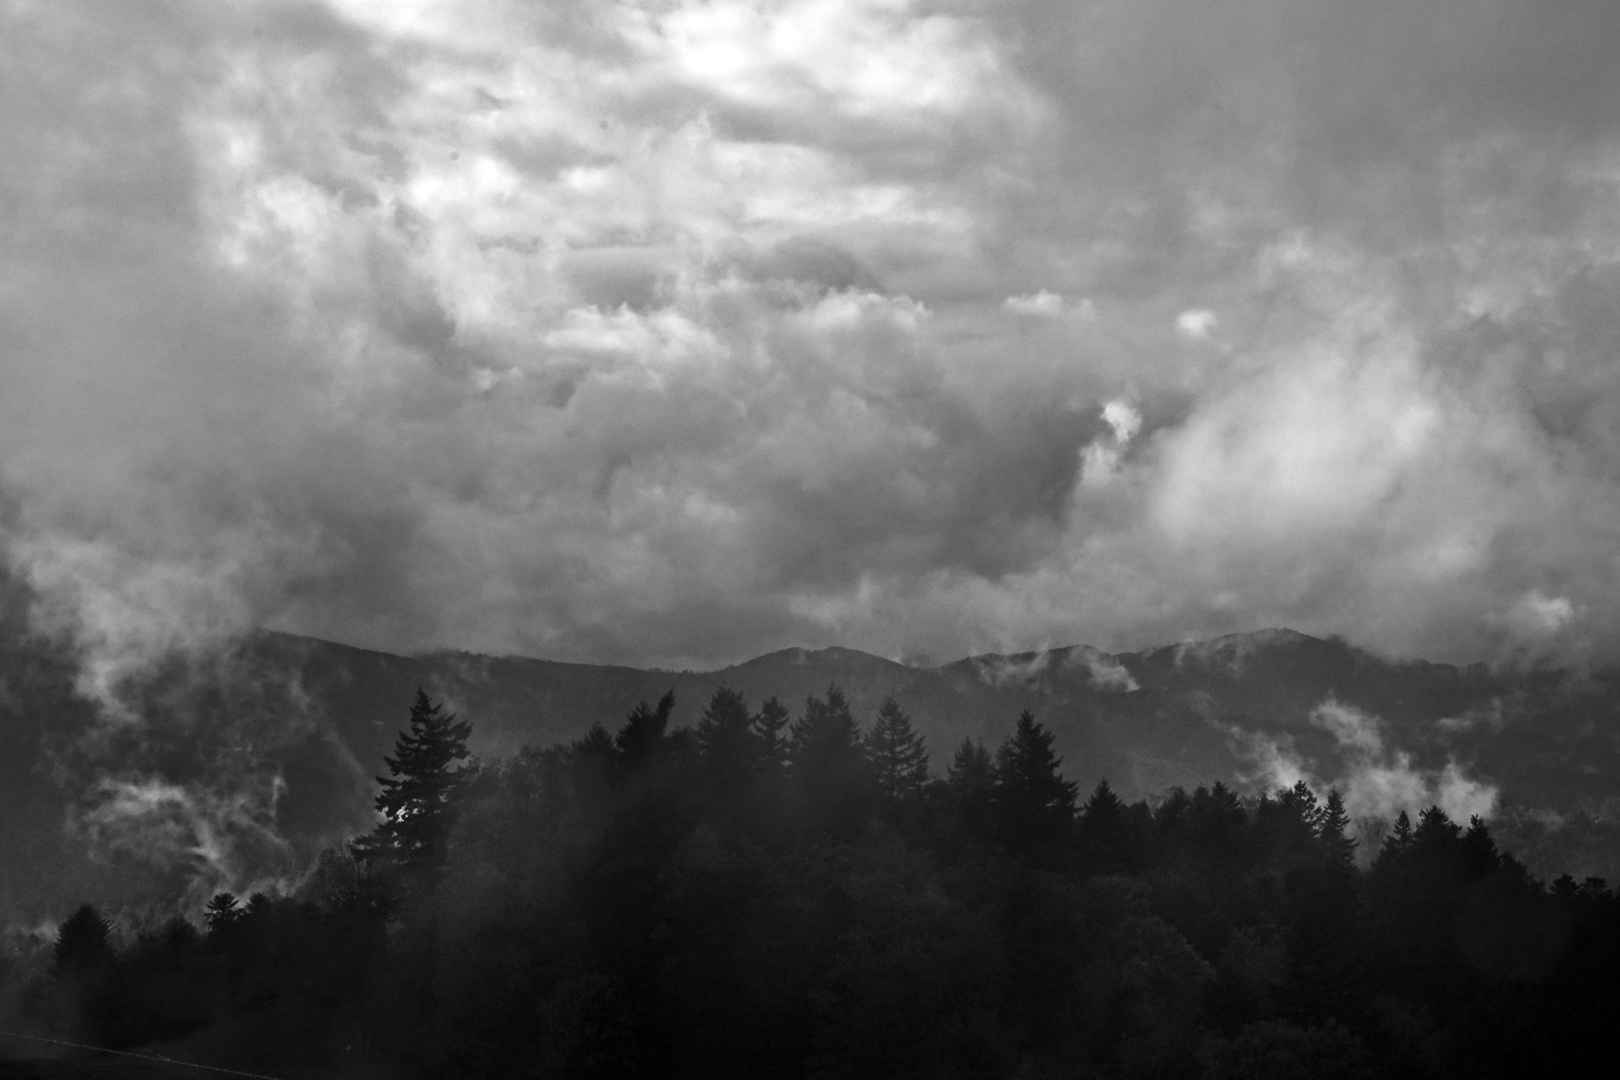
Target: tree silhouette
x=898 y=754
x=1105 y=835
x=826 y=740
x=417 y=800
x=1034 y=802
x=643 y=735
x=1332 y=824
x=613 y=922
x=827 y=768
x=82 y=946
x=1399 y=840
x=971 y=772
x=771 y=726
x=728 y=742
x=221 y=912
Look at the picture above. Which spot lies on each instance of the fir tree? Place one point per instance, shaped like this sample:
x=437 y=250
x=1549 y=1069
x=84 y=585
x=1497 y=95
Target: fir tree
x=972 y=772
x=771 y=727
x=826 y=739
x=971 y=784
x=1480 y=853
x=644 y=732
x=1435 y=832
x=82 y=947
x=827 y=769
x=221 y=912
x=595 y=745
x=417 y=800
x=727 y=740
x=1103 y=832
x=1331 y=826
x=898 y=754
x=1398 y=843
x=1034 y=802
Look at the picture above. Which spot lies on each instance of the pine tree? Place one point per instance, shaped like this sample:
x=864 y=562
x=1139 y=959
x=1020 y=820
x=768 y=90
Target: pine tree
x=898 y=754
x=1398 y=843
x=82 y=947
x=826 y=739
x=644 y=732
x=727 y=740
x=827 y=769
x=1435 y=833
x=1033 y=800
x=221 y=912
x=417 y=801
x=595 y=745
x=971 y=773
x=1331 y=825
x=1480 y=854
x=971 y=784
x=771 y=727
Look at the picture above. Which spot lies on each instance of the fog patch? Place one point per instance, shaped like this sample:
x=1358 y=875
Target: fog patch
x=1100 y=460
x=1107 y=673
x=220 y=838
x=1012 y=670
x=1374 y=779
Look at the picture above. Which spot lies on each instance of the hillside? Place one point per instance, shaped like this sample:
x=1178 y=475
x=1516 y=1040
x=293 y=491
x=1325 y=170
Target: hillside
x=247 y=763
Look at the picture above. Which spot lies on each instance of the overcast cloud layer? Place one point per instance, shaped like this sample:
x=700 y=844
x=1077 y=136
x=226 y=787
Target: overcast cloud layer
x=673 y=332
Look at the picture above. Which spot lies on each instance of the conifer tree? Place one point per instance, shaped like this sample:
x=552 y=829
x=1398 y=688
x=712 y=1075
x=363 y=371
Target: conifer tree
x=1435 y=831
x=82 y=947
x=1332 y=824
x=971 y=771
x=827 y=769
x=826 y=739
x=771 y=727
x=1034 y=802
x=728 y=741
x=1104 y=810
x=898 y=754
x=1217 y=826
x=417 y=800
x=971 y=783
x=1399 y=841
x=643 y=734
x=1480 y=853
x=221 y=912
x=596 y=744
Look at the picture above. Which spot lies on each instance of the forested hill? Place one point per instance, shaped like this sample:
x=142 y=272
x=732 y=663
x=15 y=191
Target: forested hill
x=759 y=895
x=1146 y=720
x=249 y=762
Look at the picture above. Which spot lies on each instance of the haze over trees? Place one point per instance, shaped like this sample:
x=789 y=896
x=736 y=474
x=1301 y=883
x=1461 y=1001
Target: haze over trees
x=768 y=894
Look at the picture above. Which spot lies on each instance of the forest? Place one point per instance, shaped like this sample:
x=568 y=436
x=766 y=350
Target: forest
x=767 y=895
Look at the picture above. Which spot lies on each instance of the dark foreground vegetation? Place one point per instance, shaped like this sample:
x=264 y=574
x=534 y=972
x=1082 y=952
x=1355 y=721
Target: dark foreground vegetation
x=759 y=897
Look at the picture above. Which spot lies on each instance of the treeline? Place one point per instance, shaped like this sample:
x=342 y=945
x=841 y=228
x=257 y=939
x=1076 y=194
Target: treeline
x=765 y=896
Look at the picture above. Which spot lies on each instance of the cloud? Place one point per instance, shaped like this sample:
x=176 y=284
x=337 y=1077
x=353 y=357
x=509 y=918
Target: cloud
x=1374 y=779
x=1196 y=323
x=673 y=333
x=1039 y=303
x=226 y=840
x=1107 y=673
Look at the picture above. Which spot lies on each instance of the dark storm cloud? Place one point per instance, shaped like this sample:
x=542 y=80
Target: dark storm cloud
x=672 y=335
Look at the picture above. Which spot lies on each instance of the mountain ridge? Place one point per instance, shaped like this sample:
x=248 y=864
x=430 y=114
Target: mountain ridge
x=249 y=762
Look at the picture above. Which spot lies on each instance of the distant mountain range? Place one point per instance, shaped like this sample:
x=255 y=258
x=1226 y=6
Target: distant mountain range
x=240 y=767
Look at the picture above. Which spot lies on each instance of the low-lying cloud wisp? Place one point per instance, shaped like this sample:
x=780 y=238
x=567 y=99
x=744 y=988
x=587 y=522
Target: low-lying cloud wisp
x=1374 y=779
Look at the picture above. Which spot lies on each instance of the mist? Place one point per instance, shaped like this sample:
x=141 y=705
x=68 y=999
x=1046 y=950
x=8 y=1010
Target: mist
x=671 y=335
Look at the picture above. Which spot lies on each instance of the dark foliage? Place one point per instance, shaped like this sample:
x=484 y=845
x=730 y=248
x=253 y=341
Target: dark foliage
x=750 y=898
x=416 y=801
x=899 y=758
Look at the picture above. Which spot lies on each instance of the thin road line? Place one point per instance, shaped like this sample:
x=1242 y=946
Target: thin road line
x=142 y=1057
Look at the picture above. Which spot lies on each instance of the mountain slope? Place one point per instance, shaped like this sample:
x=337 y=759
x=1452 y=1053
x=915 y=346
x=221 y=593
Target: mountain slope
x=244 y=764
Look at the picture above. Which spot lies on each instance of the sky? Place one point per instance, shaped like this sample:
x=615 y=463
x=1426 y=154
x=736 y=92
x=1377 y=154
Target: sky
x=670 y=333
